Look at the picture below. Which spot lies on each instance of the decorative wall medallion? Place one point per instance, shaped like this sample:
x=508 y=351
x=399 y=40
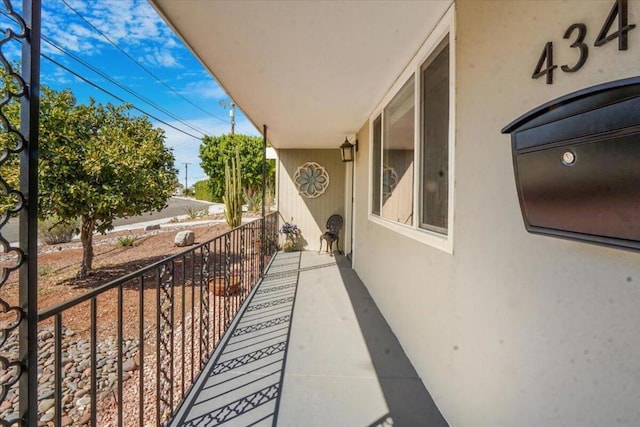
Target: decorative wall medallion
x=311 y=179
x=389 y=181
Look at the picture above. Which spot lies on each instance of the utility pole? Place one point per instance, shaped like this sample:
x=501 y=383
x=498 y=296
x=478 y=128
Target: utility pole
x=186 y=182
x=232 y=114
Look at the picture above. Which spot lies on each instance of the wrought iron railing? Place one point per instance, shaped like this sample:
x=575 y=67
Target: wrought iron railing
x=19 y=86
x=135 y=366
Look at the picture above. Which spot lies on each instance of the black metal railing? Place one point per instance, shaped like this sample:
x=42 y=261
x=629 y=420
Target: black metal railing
x=19 y=86
x=136 y=365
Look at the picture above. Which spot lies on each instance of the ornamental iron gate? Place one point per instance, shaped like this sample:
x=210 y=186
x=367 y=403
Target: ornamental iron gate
x=18 y=199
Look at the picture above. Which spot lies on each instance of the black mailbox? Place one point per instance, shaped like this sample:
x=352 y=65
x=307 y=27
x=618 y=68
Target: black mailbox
x=577 y=165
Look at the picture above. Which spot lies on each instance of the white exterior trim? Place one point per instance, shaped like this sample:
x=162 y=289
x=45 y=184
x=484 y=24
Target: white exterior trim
x=446 y=27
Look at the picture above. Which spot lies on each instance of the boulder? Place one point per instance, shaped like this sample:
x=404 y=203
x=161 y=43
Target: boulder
x=152 y=227
x=185 y=238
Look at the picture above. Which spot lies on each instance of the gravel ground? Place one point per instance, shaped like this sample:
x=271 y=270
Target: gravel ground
x=57 y=265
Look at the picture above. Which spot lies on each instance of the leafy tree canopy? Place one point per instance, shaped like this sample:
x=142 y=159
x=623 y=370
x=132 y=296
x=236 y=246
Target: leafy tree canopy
x=96 y=162
x=216 y=150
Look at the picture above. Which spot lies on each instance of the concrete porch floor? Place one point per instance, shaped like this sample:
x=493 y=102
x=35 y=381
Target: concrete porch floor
x=309 y=349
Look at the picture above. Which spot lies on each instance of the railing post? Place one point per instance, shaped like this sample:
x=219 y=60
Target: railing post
x=227 y=279
x=29 y=114
x=264 y=198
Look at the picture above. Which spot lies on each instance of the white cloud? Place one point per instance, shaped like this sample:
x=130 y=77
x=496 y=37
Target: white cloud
x=58 y=77
x=12 y=51
x=204 y=89
x=79 y=5
x=159 y=57
x=124 y=22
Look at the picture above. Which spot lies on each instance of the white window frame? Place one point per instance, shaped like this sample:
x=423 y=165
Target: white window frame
x=445 y=28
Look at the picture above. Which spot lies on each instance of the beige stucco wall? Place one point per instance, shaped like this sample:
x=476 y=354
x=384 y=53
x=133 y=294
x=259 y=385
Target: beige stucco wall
x=310 y=215
x=512 y=329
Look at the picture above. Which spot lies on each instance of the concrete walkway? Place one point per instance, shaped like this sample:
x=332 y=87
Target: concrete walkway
x=310 y=349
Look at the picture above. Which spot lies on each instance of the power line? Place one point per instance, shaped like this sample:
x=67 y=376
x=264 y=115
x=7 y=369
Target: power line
x=233 y=124
x=123 y=87
x=139 y=64
x=96 y=86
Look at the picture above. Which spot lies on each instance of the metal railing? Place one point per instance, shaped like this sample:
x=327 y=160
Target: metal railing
x=141 y=360
x=20 y=26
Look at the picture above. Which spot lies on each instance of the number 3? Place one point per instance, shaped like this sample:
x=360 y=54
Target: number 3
x=584 y=49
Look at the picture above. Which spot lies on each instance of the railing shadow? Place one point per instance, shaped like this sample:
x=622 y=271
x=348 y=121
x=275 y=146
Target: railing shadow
x=409 y=402
x=243 y=380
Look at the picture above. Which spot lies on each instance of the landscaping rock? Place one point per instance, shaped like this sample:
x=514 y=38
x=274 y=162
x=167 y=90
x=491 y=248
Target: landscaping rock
x=152 y=227
x=185 y=238
x=129 y=365
x=45 y=405
x=76 y=376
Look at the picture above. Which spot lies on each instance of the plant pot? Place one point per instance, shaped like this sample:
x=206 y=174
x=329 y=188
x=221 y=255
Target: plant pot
x=288 y=246
x=218 y=286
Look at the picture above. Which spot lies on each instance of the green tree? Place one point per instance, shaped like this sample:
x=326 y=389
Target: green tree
x=216 y=150
x=9 y=146
x=99 y=163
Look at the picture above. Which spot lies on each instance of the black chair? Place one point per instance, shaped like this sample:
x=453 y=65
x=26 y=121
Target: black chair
x=334 y=225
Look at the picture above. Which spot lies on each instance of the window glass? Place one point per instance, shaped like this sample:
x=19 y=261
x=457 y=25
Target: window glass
x=435 y=141
x=410 y=143
x=397 y=156
x=377 y=153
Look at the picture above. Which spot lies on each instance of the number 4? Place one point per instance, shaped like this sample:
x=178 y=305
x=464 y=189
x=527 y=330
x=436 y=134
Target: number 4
x=620 y=11
x=547 y=56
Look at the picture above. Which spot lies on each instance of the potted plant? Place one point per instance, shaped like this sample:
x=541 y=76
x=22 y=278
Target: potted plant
x=291 y=233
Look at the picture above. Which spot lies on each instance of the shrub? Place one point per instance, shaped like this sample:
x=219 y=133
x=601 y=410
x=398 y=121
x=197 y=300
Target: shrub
x=126 y=240
x=193 y=213
x=53 y=230
x=254 y=201
x=203 y=191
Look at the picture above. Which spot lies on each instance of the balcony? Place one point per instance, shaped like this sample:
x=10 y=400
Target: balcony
x=309 y=347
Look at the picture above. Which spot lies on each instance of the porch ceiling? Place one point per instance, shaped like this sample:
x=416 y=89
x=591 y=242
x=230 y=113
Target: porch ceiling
x=311 y=71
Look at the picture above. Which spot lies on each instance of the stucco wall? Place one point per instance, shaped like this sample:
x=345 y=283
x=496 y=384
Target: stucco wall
x=310 y=215
x=513 y=329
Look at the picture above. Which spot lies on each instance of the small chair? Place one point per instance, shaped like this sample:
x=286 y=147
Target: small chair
x=334 y=225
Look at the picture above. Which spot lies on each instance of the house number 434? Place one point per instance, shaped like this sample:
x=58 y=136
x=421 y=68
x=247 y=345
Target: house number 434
x=577 y=33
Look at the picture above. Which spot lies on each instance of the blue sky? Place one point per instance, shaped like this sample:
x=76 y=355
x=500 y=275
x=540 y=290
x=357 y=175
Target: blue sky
x=136 y=30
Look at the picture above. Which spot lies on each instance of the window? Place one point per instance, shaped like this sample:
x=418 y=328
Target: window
x=377 y=165
x=411 y=151
x=435 y=141
x=397 y=156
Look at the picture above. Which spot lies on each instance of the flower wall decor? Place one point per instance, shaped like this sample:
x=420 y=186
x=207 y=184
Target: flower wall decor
x=311 y=179
x=389 y=180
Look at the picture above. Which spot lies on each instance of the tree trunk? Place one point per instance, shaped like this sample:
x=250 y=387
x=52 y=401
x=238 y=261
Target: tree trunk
x=86 y=236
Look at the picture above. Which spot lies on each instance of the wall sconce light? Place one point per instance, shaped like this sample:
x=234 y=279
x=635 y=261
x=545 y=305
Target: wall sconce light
x=348 y=150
